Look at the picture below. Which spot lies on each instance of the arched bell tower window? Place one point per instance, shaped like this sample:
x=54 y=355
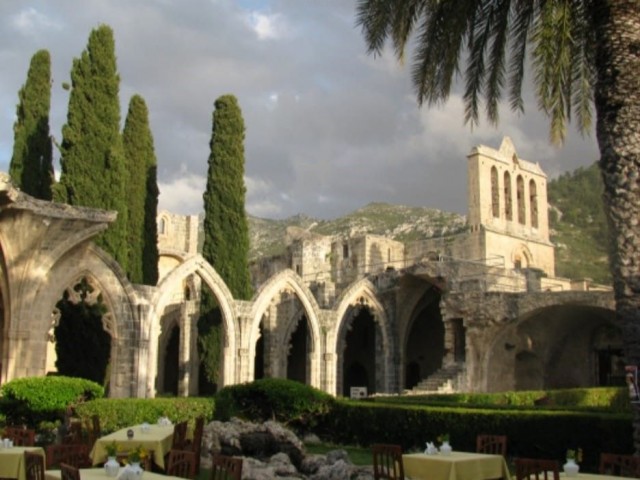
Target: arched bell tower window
x=533 y=203
x=508 y=207
x=495 y=193
x=520 y=196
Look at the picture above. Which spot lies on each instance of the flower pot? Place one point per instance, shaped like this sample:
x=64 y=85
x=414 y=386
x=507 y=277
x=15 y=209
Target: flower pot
x=133 y=471
x=112 y=467
x=571 y=468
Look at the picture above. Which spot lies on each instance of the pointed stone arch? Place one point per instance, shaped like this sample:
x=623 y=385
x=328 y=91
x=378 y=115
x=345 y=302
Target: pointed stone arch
x=362 y=294
x=194 y=265
x=285 y=280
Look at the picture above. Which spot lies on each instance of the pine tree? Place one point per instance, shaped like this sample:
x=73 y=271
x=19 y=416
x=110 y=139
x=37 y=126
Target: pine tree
x=142 y=194
x=226 y=232
x=93 y=171
x=31 y=167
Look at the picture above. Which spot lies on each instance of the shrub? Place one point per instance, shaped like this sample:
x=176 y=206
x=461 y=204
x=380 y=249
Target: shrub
x=117 y=413
x=33 y=400
x=295 y=404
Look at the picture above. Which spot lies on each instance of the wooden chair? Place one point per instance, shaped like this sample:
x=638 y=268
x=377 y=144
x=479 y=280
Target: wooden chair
x=537 y=468
x=179 y=436
x=74 y=434
x=491 y=444
x=69 y=472
x=182 y=463
x=195 y=445
x=224 y=467
x=94 y=430
x=619 y=465
x=387 y=462
x=21 y=437
x=75 y=455
x=33 y=466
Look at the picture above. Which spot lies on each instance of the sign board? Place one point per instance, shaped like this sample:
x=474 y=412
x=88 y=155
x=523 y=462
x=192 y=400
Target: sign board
x=358 y=392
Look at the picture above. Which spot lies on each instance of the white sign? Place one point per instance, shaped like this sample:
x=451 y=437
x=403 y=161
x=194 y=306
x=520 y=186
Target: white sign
x=358 y=392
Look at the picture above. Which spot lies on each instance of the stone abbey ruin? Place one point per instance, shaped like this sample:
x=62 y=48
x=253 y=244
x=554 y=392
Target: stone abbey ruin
x=477 y=311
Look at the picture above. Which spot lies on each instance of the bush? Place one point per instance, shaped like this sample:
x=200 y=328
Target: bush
x=33 y=400
x=117 y=413
x=297 y=405
x=532 y=433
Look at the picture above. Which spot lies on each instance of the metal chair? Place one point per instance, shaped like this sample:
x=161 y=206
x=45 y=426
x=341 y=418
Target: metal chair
x=387 y=462
x=34 y=466
x=182 y=463
x=491 y=444
x=76 y=455
x=21 y=437
x=224 y=467
x=537 y=468
x=69 y=472
x=619 y=465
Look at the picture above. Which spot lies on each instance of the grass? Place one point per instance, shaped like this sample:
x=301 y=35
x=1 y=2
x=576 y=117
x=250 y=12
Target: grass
x=358 y=455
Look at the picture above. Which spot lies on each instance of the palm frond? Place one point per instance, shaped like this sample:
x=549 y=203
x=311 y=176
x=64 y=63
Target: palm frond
x=374 y=18
x=496 y=79
x=524 y=11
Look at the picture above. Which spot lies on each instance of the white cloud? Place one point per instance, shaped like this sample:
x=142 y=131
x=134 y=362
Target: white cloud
x=29 y=21
x=267 y=26
x=182 y=195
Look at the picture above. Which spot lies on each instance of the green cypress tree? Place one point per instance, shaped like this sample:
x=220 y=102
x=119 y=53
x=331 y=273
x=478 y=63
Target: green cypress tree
x=93 y=171
x=142 y=194
x=31 y=167
x=226 y=232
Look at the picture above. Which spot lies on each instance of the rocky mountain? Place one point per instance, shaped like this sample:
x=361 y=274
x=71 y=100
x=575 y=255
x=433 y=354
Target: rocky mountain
x=577 y=226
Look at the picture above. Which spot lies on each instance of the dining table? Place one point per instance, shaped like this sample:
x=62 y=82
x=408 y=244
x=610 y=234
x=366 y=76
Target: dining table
x=12 y=461
x=592 y=476
x=153 y=438
x=101 y=474
x=455 y=466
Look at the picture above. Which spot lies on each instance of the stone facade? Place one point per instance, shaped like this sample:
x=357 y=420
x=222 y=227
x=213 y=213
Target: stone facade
x=477 y=311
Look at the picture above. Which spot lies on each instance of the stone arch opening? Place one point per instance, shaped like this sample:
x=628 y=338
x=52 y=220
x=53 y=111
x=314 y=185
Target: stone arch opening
x=520 y=199
x=508 y=200
x=171 y=376
x=495 y=193
x=360 y=343
x=80 y=335
x=533 y=203
x=424 y=343
x=299 y=344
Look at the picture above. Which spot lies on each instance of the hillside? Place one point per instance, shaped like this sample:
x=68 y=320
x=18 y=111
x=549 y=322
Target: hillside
x=577 y=224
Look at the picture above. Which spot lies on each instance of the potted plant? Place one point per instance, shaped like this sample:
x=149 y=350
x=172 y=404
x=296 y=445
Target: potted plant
x=574 y=457
x=445 y=447
x=111 y=467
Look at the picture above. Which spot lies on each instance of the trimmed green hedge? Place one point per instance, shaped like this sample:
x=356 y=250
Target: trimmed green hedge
x=117 y=413
x=295 y=404
x=543 y=434
x=606 y=399
x=33 y=400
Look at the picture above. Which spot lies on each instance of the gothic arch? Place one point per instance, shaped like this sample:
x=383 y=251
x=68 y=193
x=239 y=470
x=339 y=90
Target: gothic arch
x=521 y=257
x=361 y=293
x=286 y=279
x=199 y=266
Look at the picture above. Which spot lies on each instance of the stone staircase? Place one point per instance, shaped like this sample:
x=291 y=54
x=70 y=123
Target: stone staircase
x=448 y=379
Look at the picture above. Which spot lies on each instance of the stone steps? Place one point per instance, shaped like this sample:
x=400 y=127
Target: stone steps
x=445 y=380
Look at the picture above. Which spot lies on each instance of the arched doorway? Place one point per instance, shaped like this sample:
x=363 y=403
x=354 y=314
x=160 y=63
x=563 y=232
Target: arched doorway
x=298 y=355
x=359 y=357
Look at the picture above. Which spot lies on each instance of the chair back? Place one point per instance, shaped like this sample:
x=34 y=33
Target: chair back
x=33 y=466
x=74 y=434
x=492 y=444
x=179 y=439
x=182 y=463
x=69 y=472
x=224 y=467
x=21 y=437
x=76 y=455
x=537 y=469
x=387 y=462
x=195 y=445
x=619 y=465
x=94 y=430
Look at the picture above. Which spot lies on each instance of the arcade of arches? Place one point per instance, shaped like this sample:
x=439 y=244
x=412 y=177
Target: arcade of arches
x=388 y=329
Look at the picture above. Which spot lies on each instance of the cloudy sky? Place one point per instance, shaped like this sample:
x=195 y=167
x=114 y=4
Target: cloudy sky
x=329 y=129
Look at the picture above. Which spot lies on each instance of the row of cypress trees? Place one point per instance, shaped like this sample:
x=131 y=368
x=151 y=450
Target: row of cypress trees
x=106 y=169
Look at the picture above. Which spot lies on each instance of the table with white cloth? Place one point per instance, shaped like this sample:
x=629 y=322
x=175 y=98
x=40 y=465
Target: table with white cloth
x=455 y=466
x=101 y=474
x=156 y=438
x=12 y=461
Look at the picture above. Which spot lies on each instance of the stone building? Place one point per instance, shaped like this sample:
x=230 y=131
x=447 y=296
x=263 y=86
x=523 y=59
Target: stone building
x=478 y=311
